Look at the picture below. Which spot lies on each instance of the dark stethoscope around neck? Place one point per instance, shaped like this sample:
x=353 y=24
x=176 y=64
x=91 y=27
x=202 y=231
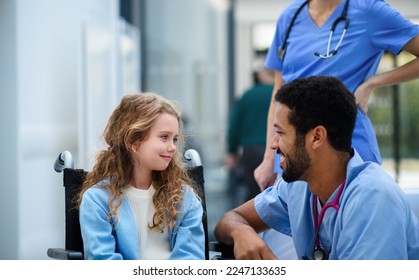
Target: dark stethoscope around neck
x=329 y=54
x=319 y=253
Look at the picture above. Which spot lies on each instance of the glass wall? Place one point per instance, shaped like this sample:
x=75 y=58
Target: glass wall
x=185 y=59
x=394 y=112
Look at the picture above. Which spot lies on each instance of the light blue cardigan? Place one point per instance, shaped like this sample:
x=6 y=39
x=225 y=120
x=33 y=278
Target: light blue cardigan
x=101 y=240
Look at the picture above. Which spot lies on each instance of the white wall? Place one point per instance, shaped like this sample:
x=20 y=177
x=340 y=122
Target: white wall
x=53 y=98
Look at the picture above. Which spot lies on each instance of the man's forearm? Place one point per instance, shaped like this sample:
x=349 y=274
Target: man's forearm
x=229 y=224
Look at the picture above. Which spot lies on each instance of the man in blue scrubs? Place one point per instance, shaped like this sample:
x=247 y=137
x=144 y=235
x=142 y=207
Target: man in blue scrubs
x=332 y=203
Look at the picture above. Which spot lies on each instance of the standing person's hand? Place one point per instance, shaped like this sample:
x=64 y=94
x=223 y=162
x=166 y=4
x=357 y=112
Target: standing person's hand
x=362 y=96
x=264 y=174
x=230 y=160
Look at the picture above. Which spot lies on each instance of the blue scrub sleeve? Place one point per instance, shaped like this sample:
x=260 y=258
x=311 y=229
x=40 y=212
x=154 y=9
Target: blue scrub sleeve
x=272 y=209
x=388 y=29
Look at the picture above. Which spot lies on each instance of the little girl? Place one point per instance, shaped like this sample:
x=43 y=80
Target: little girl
x=138 y=201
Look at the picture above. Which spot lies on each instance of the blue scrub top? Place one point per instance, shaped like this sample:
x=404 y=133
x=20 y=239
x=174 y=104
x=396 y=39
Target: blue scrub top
x=374 y=27
x=375 y=220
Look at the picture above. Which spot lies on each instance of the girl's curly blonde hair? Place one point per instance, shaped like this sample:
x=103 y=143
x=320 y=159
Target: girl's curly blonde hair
x=130 y=123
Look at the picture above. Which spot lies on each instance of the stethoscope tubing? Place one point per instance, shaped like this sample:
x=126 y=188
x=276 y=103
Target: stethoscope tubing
x=319 y=218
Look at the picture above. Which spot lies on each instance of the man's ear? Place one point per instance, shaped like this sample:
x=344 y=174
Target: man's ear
x=318 y=136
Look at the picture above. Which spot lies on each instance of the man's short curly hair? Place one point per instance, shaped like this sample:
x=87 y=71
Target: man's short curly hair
x=321 y=100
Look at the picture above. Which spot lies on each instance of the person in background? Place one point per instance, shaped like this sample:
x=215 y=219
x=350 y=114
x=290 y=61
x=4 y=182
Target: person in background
x=246 y=135
x=138 y=201
x=334 y=204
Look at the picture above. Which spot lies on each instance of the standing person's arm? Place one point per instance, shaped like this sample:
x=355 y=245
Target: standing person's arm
x=264 y=173
x=240 y=227
x=404 y=73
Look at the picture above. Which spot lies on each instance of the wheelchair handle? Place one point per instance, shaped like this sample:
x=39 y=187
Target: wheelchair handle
x=193 y=158
x=64 y=160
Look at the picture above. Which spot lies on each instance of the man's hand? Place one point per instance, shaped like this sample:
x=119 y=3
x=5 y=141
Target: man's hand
x=249 y=246
x=240 y=227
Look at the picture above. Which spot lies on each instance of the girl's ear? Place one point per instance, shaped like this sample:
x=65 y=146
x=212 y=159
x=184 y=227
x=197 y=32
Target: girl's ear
x=131 y=146
x=134 y=146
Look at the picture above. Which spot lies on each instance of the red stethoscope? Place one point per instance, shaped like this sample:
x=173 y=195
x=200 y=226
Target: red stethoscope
x=319 y=253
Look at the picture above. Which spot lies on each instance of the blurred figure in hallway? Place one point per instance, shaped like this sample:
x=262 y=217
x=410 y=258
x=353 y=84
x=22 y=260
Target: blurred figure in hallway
x=246 y=137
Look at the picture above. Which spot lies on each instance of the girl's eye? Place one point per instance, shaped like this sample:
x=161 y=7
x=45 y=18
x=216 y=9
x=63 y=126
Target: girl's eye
x=164 y=137
x=175 y=140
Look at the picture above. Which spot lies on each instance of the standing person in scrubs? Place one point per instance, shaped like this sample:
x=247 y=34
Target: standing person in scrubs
x=334 y=204
x=345 y=39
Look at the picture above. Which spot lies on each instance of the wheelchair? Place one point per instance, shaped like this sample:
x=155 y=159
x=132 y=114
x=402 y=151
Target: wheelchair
x=72 y=182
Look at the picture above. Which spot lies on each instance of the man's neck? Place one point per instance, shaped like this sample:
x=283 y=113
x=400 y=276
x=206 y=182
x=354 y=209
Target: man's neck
x=328 y=176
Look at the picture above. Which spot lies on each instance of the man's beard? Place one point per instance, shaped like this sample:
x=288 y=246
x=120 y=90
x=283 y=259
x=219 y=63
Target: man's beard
x=298 y=164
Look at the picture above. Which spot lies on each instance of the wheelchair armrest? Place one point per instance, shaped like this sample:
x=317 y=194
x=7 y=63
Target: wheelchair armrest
x=226 y=251
x=64 y=254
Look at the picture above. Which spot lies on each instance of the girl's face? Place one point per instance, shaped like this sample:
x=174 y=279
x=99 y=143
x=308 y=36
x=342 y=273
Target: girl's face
x=158 y=148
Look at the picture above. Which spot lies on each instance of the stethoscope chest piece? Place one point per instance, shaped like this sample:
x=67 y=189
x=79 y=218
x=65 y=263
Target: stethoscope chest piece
x=320 y=254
